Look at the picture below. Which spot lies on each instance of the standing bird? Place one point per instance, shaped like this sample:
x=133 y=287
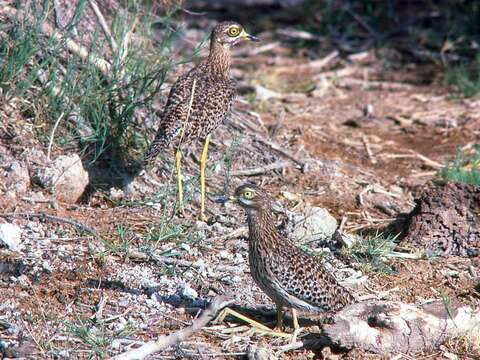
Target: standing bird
x=288 y=275
x=198 y=102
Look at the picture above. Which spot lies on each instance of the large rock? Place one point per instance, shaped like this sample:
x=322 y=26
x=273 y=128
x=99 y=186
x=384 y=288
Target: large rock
x=314 y=224
x=445 y=220
x=65 y=177
x=10 y=235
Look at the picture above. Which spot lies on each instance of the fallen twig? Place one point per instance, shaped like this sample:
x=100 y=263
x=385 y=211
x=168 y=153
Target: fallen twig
x=297 y=34
x=103 y=24
x=414 y=154
x=79 y=50
x=374 y=85
x=54 y=218
x=50 y=142
x=251 y=51
x=197 y=265
x=262 y=169
x=241 y=231
x=314 y=66
x=281 y=151
x=368 y=150
x=336 y=74
x=126 y=41
x=166 y=341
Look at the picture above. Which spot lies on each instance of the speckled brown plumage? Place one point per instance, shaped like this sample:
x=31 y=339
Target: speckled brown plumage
x=288 y=275
x=212 y=97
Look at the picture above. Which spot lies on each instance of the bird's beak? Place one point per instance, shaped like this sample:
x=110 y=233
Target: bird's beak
x=224 y=200
x=246 y=36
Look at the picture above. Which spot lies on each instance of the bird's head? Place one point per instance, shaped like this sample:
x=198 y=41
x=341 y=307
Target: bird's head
x=229 y=33
x=252 y=198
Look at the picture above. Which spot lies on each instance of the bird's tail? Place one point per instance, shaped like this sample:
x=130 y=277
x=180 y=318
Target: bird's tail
x=157 y=146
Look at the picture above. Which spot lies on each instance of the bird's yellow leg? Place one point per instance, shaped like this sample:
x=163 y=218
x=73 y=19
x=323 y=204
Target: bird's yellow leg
x=279 y=325
x=203 y=163
x=260 y=328
x=178 y=161
x=295 y=319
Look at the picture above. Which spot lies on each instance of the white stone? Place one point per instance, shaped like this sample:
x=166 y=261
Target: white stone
x=315 y=224
x=237 y=279
x=225 y=255
x=186 y=247
x=65 y=177
x=188 y=292
x=10 y=235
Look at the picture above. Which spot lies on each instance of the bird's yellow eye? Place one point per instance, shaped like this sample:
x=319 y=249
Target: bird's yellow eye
x=233 y=31
x=248 y=194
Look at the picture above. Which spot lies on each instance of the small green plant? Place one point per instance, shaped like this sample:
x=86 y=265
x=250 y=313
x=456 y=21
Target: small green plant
x=99 y=106
x=96 y=337
x=166 y=231
x=465 y=79
x=371 y=250
x=465 y=168
x=448 y=304
x=227 y=160
x=124 y=237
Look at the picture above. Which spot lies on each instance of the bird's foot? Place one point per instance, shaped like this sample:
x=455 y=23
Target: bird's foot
x=279 y=328
x=256 y=326
x=181 y=212
x=203 y=217
x=295 y=334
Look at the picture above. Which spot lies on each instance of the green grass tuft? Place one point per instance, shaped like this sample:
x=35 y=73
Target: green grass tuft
x=95 y=337
x=371 y=251
x=465 y=168
x=104 y=113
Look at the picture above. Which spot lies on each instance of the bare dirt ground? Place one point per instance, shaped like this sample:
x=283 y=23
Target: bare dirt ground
x=357 y=137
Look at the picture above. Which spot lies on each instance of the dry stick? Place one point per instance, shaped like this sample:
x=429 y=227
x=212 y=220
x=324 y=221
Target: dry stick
x=59 y=15
x=262 y=169
x=103 y=24
x=297 y=34
x=414 y=154
x=289 y=347
x=368 y=149
x=43 y=216
x=347 y=71
x=342 y=223
x=50 y=142
x=316 y=65
x=241 y=231
x=166 y=341
x=281 y=151
x=375 y=85
x=126 y=40
x=80 y=50
x=264 y=48
x=171 y=261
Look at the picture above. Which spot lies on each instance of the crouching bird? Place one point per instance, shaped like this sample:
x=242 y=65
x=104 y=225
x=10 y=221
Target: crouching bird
x=198 y=103
x=288 y=275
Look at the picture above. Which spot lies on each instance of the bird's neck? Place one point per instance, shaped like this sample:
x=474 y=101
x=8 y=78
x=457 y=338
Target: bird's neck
x=262 y=230
x=219 y=59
